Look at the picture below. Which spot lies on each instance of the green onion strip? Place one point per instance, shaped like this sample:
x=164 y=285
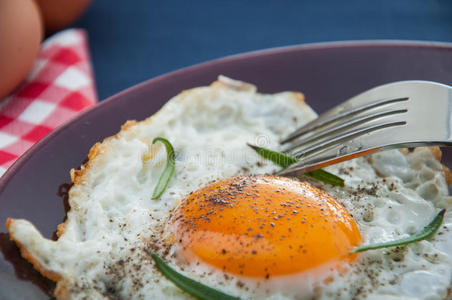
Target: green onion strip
x=169 y=168
x=285 y=160
x=425 y=233
x=189 y=285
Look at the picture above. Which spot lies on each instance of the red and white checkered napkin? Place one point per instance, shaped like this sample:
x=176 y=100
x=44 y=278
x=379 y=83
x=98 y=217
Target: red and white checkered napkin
x=58 y=87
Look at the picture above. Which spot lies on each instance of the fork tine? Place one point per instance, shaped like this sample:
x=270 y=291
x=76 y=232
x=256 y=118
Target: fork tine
x=337 y=129
x=345 y=137
x=322 y=160
x=334 y=115
x=364 y=125
x=336 y=152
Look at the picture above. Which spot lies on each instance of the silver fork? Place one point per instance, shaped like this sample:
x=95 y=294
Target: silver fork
x=395 y=115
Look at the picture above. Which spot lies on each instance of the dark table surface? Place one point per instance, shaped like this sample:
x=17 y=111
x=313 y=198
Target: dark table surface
x=132 y=41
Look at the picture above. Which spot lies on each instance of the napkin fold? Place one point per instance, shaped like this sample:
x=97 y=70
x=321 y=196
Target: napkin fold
x=59 y=86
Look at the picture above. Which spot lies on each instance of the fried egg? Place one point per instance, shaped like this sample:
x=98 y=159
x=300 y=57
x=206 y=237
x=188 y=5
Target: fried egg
x=225 y=221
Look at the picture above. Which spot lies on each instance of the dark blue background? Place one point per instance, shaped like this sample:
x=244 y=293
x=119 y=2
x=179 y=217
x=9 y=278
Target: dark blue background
x=135 y=40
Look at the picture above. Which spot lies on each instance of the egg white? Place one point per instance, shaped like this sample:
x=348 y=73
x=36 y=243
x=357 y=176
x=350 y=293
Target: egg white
x=103 y=248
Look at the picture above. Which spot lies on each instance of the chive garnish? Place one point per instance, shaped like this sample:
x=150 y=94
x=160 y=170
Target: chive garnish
x=326 y=177
x=169 y=168
x=285 y=160
x=278 y=158
x=189 y=285
x=425 y=233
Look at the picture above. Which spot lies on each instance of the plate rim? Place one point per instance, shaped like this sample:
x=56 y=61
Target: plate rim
x=22 y=160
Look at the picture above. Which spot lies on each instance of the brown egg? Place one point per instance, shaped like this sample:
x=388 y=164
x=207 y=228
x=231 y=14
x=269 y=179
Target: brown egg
x=20 y=38
x=58 y=14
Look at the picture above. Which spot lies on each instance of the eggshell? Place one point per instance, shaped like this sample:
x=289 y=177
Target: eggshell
x=20 y=37
x=58 y=14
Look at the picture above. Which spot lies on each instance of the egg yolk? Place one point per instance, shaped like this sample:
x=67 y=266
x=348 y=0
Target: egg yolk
x=264 y=226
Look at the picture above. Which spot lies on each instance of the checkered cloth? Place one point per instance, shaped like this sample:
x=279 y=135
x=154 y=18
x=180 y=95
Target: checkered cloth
x=59 y=86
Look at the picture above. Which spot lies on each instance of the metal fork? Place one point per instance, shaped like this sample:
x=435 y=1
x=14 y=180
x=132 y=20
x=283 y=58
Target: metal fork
x=395 y=115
